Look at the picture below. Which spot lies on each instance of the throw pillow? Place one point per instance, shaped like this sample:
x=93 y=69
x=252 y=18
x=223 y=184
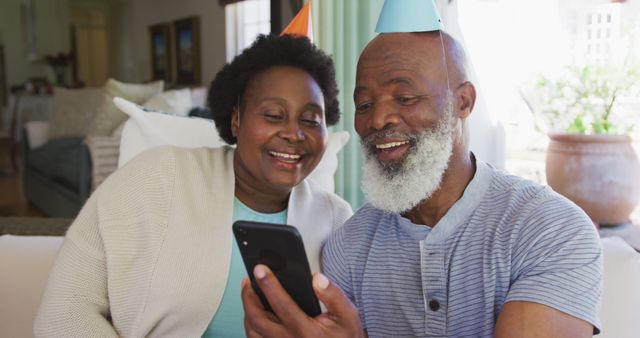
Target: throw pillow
x=175 y=101
x=72 y=111
x=133 y=92
x=108 y=117
x=146 y=129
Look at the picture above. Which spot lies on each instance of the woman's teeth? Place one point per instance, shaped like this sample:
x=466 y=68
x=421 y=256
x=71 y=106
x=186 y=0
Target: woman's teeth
x=293 y=157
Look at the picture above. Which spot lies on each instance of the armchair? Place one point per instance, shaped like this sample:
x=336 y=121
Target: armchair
x=57 y=174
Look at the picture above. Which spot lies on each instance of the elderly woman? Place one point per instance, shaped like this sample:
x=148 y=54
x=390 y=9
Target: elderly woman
x=151 y=253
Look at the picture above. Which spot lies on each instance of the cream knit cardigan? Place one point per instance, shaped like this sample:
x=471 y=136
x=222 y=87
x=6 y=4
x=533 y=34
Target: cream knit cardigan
x=149 y=253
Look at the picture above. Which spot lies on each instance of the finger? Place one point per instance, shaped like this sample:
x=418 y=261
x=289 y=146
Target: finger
x=250 y=299
x=247 y=301
x=253 y=334
x=337 y=303
x=281 y=303
x=258 y=322
x=249 y=331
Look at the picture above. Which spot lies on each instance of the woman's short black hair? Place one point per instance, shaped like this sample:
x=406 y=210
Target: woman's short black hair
x=268 y=51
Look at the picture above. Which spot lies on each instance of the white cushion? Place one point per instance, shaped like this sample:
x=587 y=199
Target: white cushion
x=325 y=171
x=146 y=129
x=107 y=116
x=25 y=262
x=175 y=101
x=199 y=96
x=37 y=133
x=620 y=312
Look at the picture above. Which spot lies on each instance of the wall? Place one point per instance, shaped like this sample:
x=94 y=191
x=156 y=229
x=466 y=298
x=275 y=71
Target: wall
x=52 y=36
x=128 y=34
x=131 y=29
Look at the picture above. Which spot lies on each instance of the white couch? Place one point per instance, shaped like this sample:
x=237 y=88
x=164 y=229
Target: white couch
x=25 y=262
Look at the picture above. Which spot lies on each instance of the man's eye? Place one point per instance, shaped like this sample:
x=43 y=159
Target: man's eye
x=364 y=107
x=406 y=100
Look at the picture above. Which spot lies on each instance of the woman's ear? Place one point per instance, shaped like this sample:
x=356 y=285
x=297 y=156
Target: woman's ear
x=235 y=121
x=466 y=95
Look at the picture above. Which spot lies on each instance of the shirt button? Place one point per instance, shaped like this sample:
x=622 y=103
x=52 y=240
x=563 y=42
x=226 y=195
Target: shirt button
x=434 y=305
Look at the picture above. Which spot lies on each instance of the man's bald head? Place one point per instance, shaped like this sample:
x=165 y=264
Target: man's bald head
x=424 y=49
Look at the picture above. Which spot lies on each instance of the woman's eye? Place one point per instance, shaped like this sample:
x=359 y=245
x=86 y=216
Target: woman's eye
x=273 y=116
x=311 y=119
x=311 y=123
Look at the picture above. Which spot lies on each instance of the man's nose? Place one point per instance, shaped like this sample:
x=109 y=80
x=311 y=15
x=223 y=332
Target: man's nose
x=383 y=116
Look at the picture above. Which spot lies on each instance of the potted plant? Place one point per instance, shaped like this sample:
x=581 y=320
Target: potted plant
x=590 y=158
x=59 y=63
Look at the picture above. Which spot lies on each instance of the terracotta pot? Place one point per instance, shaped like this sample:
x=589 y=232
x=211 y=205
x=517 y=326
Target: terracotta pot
x=600 y=173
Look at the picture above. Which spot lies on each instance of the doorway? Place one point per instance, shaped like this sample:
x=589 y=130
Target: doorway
x=90 y=44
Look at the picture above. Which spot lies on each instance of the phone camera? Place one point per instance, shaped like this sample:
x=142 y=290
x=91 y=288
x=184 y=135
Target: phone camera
x=242 y=234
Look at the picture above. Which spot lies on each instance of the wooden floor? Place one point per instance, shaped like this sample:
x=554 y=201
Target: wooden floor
x=12 y=200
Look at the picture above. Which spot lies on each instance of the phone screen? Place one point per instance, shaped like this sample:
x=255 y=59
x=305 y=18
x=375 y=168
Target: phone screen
x=279 y=247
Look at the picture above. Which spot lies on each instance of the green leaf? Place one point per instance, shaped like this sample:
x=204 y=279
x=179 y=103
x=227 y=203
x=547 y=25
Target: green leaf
x=599 y=127
x=577 y=126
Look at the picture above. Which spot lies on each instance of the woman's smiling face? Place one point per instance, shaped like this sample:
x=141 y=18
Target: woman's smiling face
x=281 y=129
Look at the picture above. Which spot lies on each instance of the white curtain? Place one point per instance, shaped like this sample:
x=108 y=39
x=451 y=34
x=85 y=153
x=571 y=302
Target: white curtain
x=487 y=134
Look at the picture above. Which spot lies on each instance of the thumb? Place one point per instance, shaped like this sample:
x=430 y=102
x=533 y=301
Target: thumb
x=337 y=303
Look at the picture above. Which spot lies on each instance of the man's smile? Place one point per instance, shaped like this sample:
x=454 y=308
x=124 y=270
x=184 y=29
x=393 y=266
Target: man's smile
x=391 y=149
x=390 y=145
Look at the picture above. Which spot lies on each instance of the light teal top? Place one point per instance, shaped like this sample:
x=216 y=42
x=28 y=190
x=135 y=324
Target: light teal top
x=228 y=321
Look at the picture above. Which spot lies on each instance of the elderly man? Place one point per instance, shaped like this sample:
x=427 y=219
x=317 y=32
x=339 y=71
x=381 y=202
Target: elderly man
x=448 y=246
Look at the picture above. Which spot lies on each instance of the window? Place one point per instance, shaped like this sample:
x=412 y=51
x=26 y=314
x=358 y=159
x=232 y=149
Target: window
x=510 y=44
x=244 y=21
x=601 y=43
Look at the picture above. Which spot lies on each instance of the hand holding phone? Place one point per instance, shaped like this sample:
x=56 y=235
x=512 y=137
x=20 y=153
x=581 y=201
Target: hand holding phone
x=279 y=247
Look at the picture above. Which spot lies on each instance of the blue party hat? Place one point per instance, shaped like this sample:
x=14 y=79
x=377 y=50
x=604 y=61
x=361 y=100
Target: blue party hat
x=403 y=16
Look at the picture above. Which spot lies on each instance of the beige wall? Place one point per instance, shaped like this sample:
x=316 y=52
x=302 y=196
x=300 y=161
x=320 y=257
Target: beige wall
x=52 y=36
x=128 y=35
x=137 y=15
x=128 y=40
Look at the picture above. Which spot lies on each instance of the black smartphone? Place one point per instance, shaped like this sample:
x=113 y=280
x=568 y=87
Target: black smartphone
x=279 y=247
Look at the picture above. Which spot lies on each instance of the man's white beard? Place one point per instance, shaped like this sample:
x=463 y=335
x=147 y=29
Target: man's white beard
x=400 y=186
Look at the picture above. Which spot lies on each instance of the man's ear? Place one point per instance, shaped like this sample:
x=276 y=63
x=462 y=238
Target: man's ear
x=235 y=121
x=466 y=95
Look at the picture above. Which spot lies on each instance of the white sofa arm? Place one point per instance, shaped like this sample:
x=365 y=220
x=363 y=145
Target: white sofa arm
x=620 y=294
x=25 y=262
x=37 y=133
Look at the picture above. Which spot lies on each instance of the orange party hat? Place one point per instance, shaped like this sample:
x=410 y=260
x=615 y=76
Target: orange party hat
x=301 y=24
